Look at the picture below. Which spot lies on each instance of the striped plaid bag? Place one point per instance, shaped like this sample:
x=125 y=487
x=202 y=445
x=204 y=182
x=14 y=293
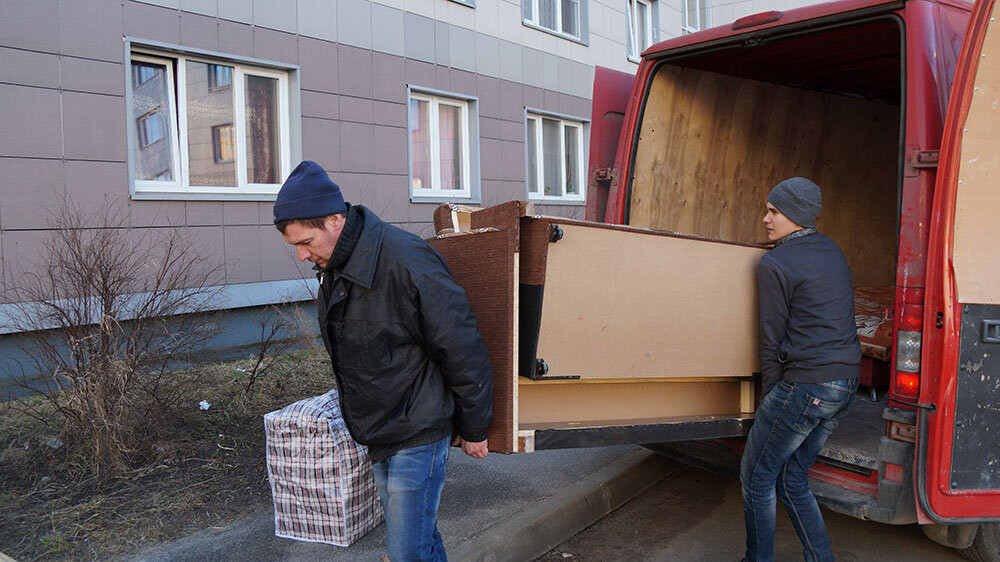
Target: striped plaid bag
x=321 y=479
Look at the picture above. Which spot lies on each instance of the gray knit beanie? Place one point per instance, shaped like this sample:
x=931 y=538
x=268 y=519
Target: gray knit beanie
x=798 y=199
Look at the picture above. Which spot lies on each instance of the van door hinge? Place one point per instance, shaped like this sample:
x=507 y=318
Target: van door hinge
x=921 y=159
x=603 y=174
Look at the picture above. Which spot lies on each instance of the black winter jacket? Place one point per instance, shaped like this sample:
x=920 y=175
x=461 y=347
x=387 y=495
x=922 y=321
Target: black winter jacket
x=807 y=328
x=404 y=342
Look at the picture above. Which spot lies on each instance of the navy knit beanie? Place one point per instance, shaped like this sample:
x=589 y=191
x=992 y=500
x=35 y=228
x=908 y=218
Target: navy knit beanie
x=798 y=199
x=308 y=193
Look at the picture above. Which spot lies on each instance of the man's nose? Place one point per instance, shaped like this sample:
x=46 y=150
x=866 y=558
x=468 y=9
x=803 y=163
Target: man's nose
x=302 y=253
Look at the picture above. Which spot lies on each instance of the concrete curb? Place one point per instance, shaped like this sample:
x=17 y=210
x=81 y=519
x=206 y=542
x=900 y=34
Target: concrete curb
x=539 y=528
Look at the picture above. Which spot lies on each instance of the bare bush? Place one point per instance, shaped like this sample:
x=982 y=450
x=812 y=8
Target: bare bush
x=105 y=314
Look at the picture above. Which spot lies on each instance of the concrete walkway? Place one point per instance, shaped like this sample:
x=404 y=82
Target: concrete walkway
x=506 y=507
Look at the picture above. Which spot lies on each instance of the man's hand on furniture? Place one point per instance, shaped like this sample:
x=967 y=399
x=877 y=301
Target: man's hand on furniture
x=476 y=450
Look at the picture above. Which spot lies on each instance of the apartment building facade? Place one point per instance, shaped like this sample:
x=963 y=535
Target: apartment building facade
x=188 y=114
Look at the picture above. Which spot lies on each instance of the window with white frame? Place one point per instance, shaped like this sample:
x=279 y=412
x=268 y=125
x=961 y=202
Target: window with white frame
x=560 y=16
x=554 y=158
x=440 y=154
x=695 y=16
x=639 y=27
x=209 y=127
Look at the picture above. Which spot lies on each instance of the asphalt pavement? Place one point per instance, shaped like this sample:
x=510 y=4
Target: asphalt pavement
x=505 y=507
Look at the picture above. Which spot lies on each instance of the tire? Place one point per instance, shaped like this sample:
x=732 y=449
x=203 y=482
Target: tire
x=986 y=546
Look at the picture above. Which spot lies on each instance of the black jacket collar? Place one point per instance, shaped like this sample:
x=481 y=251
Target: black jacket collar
x=360 y=266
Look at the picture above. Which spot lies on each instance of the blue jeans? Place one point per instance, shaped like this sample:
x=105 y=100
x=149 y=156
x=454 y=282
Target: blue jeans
x=409 y=485
x=789 y=429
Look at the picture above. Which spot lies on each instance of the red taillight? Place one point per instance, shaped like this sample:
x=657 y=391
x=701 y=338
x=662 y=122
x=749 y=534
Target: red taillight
x=757 y=19
x=907 y=384
x=911 y=318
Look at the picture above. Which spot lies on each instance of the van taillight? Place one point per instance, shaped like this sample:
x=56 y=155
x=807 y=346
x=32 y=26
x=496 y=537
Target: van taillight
x=909 y=336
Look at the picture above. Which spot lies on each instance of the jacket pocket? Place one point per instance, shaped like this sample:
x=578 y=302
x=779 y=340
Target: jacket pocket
x=363 y=345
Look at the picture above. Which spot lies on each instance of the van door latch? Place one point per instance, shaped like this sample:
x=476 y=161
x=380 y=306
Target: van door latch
x=991 y=331
x=920 y=159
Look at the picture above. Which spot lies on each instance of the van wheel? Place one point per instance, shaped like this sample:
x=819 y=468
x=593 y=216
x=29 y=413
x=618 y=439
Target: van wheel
x=986 y=546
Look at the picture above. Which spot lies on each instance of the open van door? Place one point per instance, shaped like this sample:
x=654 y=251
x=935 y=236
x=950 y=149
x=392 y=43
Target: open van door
x=611 y=95
x=958 y=436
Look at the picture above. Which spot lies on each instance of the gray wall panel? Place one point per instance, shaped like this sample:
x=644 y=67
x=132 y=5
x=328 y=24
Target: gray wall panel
x=392 y=114
x=29 y=191
x=354 y=69
x=32 y=122
x=388 y=32
x=319 y=65
x=354 y=23
x=154 y=23
x=243 y=256
x=205 y=7
x=97 y=186
x=442 y=43
x=357 y=147
x=245 y=212
x=359 y=110
x=487 y=55
x=387 y=70
x=199 y=31
x=511 y=62
x=235 y=38
x=28 y=25
x=318 y=18
x=275 y=14
x=102 y=21
x=462 y=45
x=320 y=104
x=28 y=68
x=321 y=142
x=236 y=10
x=92 y=76
x=420 y=42
x=391 y=155
x=203 y=213
x=420 y=73
x=269 y=44
x=93 y=126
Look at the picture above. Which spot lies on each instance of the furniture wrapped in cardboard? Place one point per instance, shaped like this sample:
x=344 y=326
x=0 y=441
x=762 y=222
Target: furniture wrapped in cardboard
x=602 y=334
x=321 y=479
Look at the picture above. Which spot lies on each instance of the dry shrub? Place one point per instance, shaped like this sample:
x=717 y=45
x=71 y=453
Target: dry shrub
x=105 y=315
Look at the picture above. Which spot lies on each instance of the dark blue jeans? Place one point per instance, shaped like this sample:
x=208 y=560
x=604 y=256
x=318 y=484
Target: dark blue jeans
x=409 y=485
x=789 y=429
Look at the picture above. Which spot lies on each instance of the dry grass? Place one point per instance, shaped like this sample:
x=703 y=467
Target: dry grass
x=206 y=468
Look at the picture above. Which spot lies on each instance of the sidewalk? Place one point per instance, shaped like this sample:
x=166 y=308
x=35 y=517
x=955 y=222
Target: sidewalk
x=506 y=507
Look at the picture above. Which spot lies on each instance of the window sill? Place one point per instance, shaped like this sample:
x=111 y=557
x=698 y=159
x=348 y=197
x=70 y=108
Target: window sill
x=554 y=32
x=438 y=199
x=567 y=202
x=202 y=196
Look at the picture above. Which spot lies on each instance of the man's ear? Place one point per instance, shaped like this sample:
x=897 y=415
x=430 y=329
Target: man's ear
x=335 y=222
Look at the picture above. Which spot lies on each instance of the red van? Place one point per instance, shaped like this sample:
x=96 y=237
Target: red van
x=894 y=109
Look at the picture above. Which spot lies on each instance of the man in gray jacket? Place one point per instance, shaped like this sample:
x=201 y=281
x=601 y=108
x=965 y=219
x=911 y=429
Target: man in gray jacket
x=810 y=357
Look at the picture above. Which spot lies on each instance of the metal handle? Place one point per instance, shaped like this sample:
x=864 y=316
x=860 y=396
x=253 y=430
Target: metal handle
x=991 y=331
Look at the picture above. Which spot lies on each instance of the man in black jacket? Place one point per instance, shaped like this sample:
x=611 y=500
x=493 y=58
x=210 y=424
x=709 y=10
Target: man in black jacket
x=411 y=366
x=810 y=356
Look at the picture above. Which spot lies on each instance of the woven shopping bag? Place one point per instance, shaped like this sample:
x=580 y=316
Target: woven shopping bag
x=321 y=479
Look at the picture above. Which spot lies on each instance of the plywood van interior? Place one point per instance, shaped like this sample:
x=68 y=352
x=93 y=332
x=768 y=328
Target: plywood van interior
x=717 y=131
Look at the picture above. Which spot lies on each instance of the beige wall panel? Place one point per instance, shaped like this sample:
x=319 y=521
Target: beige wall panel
x=977 y=211
x=627 y=304
x=712 y=146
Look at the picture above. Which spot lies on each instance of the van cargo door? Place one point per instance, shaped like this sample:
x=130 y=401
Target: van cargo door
x=958 y=447
x=611 y=95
